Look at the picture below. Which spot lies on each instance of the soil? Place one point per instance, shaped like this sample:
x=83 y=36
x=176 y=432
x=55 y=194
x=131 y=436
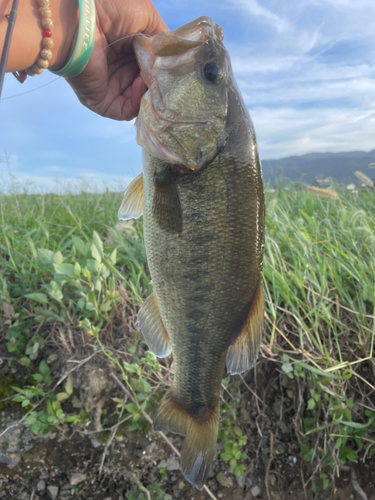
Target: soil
x=52 y=467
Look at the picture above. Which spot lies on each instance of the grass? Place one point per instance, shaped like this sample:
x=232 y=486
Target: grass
x=68 y=272
x=320 y=270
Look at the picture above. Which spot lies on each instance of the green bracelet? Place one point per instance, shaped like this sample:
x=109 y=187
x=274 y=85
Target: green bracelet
x=85 y=41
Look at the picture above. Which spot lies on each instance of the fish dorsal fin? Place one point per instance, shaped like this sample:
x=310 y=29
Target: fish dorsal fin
x=152 y=328
x=132 y=203
x=242 y=353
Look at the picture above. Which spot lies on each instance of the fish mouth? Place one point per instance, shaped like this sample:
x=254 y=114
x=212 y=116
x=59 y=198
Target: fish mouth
x=173 y=44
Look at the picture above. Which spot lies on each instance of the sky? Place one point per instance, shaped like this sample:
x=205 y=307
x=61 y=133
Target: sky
x=306 y=70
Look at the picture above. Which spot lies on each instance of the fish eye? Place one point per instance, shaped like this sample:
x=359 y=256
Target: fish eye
x=213 y=72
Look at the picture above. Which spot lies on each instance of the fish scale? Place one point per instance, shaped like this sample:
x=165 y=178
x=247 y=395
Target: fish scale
x=203 y=214
x=202 y=278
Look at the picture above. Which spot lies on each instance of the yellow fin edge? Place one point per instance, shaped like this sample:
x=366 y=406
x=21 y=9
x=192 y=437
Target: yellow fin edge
x=200 y=433
x=242 y=353
x=153 y=329
x=132 y=203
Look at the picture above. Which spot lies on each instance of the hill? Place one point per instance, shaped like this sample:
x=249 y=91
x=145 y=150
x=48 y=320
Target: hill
x=340 y=166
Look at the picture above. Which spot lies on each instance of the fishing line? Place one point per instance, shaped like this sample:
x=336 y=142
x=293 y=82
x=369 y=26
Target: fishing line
x=4 y=56
x=59 y=77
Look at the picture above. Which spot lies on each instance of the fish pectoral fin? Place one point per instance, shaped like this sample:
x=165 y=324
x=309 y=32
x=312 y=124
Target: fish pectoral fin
x=242 y=353
x=200 y=434
x=152 y=328
x=132 y=203
x=166 y=208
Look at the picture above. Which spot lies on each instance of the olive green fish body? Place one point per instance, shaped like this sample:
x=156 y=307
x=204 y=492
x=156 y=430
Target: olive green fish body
x=205 y=278
x=202 y=201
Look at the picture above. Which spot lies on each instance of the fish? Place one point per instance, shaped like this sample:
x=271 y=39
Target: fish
x=201 y=196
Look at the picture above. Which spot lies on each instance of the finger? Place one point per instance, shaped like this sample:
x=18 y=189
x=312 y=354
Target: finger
x=133 y=96
x=126 y=105
x=155 y=23
x=138 y=88
x=159 y=24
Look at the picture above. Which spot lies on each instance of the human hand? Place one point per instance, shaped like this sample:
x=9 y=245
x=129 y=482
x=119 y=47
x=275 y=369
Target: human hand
x=110 y=84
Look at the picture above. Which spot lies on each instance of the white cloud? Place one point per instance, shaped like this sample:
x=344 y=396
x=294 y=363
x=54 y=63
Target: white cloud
x=286 y=131
x=253 y=8
x=313 y=87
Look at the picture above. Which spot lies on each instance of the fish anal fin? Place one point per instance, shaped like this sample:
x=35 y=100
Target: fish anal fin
x=200 y=433
x=132 y=203
x=242 y=353
x=152 y=328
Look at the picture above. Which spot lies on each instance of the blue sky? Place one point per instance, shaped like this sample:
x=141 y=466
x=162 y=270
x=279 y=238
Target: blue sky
x=306 y=69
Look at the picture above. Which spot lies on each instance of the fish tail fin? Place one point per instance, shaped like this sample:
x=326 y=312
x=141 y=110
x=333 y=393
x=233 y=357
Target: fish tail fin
x=200 y=434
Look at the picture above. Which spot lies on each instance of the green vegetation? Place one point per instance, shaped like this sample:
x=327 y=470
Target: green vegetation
x=153 y=489
x=234 y=443
x=72 y=279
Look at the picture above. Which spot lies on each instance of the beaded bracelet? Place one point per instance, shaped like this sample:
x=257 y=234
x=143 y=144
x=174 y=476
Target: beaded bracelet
x=47 y=43
x=83 y=47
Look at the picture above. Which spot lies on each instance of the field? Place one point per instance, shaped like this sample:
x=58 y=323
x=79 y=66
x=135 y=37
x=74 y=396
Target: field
x=74 y=366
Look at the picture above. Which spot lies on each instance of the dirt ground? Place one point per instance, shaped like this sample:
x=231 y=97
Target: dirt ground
x=85 y=467
x=54 y=463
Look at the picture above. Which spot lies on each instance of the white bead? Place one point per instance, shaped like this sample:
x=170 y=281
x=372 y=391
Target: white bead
x=46 y=54
x=37 y=70
x=47 y=43
x=45 y=12
x=47 y=24
x=42 y=63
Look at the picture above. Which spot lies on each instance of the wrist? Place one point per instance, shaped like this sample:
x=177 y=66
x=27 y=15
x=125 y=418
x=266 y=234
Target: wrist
x=26 y=42
x=64 y=32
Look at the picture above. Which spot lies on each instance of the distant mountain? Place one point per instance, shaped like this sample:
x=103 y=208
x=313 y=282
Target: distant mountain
x=340 y=166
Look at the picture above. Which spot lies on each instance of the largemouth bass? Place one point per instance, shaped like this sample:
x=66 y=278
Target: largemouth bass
x=201 y=197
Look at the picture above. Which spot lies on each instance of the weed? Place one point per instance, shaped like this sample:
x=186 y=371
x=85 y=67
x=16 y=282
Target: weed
x=66 y=267
x=155 y=491
x=234 y=443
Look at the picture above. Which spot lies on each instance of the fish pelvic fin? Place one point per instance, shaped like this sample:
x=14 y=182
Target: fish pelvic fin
x=153 y=329
x=132 y=203
x=200 y=433
x=242 y=353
